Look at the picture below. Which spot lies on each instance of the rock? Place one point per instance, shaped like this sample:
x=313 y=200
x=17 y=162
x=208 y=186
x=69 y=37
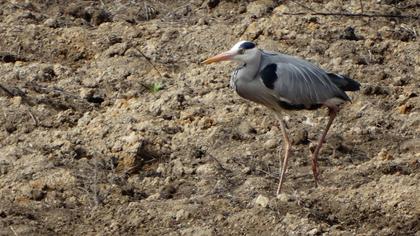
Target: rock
x=246 y=170
x=301 y=137
x=411 y=145
x=262 y=201
x=100 y=16
x=404 y=109
x=51 y=22
x=314 y=231
x=37 y=194
x=34 y=193
x=270 y=144
x=245 y=129
x=259 y=8
x=134 y=155
x=117 y=49
x=206 y=169
x=375 y=90
x=10 y=127
x=167 y=191
x=212 y=3
x=198 y=231
x=182 y=215
x=8 y=57
x=253 y=31
x=283 y=197
x=178 y=167
x=384 y=155
x=45 y=74
x=161 y=169
x=349 y=34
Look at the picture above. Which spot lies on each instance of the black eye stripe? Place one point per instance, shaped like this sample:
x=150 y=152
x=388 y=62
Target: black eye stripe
x=247 y=45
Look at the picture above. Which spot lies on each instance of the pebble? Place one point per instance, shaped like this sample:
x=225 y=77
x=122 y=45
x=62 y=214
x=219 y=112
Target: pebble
x=271 y=143
x=167 y=191
x=182 y=215
x=51 y=22
x=384 y=155
x=213 y=3
x=285 y=197
x=262 y=201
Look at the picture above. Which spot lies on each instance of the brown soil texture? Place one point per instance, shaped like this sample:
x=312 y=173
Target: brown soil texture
x=110 y=125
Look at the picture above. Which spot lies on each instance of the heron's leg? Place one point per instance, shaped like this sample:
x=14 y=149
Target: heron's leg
x=287 y=146
x=332 y=112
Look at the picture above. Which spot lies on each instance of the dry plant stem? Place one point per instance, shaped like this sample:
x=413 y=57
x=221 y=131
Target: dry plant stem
x=287 y=146
x=13 y=230
x=9 y=93
x=148 y=60
x=332 y=114
x=343 y=14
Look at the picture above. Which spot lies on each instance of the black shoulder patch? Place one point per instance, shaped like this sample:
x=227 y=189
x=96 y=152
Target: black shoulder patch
x=269 y=75
x=247 y=45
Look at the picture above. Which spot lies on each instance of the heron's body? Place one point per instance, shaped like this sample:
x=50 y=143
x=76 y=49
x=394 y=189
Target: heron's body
x=282 y=82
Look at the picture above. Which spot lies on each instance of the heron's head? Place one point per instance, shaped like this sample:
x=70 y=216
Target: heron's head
x=243 y=51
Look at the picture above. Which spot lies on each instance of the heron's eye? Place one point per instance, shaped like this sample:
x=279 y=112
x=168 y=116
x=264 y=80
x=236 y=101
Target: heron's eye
x=241 y=50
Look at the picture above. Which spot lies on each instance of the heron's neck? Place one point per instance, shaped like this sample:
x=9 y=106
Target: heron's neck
x=251 y=68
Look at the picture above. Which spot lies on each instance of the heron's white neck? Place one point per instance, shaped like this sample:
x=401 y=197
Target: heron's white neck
x=251 y=67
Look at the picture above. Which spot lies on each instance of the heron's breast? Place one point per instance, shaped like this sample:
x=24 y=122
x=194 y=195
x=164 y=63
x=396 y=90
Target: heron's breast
x=252 y=91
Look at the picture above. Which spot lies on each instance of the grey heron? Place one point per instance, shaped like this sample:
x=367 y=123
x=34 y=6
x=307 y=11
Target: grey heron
x=283 y=83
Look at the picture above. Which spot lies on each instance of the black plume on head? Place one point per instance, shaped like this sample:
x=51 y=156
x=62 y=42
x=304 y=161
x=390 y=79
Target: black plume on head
x=247 y=45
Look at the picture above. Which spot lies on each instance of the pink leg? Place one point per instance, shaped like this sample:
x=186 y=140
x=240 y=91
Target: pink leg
x=287 y=146
x=332 y=112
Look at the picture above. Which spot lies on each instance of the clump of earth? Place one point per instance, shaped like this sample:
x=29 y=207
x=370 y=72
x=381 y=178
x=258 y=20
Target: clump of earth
x=110 y=124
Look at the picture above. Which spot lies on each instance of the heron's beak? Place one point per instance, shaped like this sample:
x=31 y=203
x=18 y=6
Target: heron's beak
x=225 y=56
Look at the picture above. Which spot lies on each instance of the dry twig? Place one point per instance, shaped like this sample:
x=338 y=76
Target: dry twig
x=344 y=14
x=150 y=62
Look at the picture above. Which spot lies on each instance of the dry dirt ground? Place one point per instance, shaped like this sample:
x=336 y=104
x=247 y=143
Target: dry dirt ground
x=109 y=124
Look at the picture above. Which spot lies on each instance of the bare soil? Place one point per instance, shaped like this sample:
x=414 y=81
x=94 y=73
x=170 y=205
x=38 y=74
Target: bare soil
x=109 y=124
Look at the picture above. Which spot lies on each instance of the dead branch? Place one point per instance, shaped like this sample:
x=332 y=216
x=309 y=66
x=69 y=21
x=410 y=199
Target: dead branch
x=150 y=62
x=344 y=14
x=9 y=93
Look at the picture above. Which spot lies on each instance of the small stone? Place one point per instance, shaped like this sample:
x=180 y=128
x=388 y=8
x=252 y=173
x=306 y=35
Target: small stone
x=17 y=100
x=246 y=170
x=51 y=22
x=37 y=194
x=271 y=143
x=314 y=231
x=161 y=169
x=301 y=137
x=262 y=201
x=404 y=109
x=167 y=191
x=212 y=3
x=8 y=57
x=245 y=129
x=349 y=34
x=100 y=16
x=283 y=197
x=205 y=169
x=117 y=49
x=182 y=215
x=10 y=127
x=384 y=155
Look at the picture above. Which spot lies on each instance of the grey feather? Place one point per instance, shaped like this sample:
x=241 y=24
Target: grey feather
x=301 y=82
x=297 y=84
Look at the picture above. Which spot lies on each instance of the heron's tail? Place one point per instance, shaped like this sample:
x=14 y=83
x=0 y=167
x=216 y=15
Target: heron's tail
x=344 y=82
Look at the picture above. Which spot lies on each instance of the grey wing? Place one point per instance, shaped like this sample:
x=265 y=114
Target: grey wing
x=300 y=82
